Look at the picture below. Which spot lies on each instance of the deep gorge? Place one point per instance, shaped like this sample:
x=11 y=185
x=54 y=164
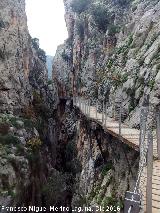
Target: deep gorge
x=50 y=153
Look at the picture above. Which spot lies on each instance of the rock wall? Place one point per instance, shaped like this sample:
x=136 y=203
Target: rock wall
x=111 y=54
x=29 y=124
x=112 y=50
x=14 y=56
x=109 y=167
x=115 y=52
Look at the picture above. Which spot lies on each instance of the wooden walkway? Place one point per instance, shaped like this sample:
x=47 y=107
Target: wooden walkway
x=130 y=136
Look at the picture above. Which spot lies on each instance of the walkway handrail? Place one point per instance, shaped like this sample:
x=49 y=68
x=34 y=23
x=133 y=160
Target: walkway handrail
x=146 y=148
x=85 y=106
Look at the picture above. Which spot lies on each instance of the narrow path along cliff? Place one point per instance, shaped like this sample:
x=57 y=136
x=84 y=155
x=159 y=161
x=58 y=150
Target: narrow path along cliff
x=131 y=137
x=57 y=150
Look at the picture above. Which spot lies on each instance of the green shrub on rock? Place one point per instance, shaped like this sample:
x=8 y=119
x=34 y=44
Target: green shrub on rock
x=122 y=3
x=4 y=128
x=113 y=29
x=53 y=190
x=65 y=56
x=102 y=17
x=106 y=168
x=8 y=139
x=151 y=84
x=80 y=6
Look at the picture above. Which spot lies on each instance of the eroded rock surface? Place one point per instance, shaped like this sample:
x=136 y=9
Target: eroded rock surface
x=115 y=52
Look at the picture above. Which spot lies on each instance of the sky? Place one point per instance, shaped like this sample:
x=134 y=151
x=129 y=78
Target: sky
x=46 y=22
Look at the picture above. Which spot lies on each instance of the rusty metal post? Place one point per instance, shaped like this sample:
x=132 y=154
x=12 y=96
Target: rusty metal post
x=149 y=172
x=158 y=132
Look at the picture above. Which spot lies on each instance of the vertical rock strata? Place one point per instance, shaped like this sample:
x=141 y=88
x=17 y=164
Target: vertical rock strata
x=49 y=153
x=14 y=56
x=113 y=49
x=28 y=114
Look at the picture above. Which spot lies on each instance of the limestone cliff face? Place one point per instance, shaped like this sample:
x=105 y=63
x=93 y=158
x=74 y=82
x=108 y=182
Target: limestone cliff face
x=28 y=119
x=62 y=74
x=14 y=56
x=115 y=50
x=109 y=167
x=112 y=53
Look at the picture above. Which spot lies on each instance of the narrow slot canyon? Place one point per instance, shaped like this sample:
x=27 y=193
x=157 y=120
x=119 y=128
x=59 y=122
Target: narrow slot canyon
x=76 y=128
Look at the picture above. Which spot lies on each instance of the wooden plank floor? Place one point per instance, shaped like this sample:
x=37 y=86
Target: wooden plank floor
x=155 y=187
x=130 y=136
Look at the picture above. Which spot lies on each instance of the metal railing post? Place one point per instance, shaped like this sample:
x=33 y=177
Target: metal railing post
x=96 y=108
x=79 y=102
x=149 y=173
x=82 y=104
x=103 y=113
x=75 y=100
x=86 y=107
x=143 y=119
x=89 y=108
x=106 y=114
x=114 y=109
x=120 y=119
x=158 y=133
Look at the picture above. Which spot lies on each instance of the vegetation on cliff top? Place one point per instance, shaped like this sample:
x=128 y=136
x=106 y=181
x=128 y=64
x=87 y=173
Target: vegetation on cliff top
x=41 y=53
